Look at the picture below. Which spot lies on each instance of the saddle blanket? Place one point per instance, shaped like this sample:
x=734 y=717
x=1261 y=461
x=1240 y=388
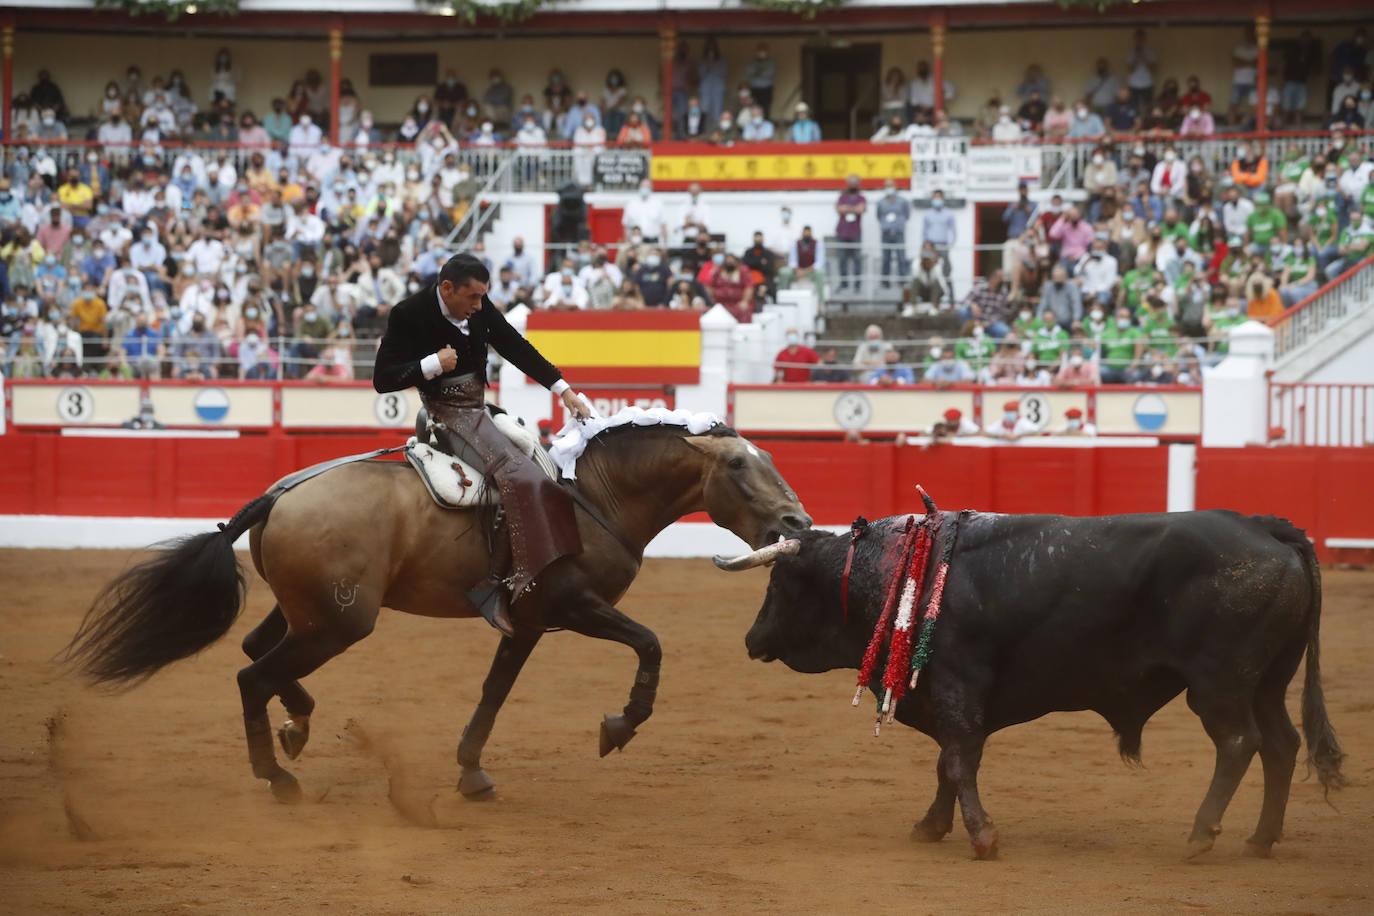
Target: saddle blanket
x=456 y=484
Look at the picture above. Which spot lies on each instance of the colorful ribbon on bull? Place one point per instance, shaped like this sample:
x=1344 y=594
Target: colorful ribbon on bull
x=908 y=580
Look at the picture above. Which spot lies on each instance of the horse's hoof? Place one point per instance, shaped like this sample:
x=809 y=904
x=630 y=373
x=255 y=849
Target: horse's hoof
x=476 y=785
x=927 y=832
x=285 y=788
x=1258 y=849
x=985 y=843
x=616 y=732
x=1201 y=842
x=293 y=736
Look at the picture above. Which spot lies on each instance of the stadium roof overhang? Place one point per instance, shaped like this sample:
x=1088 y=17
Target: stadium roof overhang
x=361 y=19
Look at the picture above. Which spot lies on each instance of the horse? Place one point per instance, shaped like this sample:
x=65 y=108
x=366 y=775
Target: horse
x=339 y=546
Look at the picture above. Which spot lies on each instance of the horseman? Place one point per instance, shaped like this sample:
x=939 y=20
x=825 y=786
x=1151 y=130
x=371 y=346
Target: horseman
x=437 y=340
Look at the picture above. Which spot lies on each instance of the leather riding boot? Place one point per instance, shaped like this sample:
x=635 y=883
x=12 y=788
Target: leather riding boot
x=491 y=596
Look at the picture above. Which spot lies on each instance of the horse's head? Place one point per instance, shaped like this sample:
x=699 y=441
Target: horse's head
x=744 y=492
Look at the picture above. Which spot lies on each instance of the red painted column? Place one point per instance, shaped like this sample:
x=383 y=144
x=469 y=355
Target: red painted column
x=7 y=79
x=667 y=45
x=939 y=25
x=1262 y=21
x=335 y=56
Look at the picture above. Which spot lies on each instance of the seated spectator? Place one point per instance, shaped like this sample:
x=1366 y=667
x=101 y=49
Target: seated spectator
x=731 y=287
x=948 y=370
x=1264 y=302
x=1031 y=114
x=1122 y=114
x=1265 y=225
x=653 y=278
x=758 y=129
x=1074 y=235
x=1197 y=123
x=1170 y=178
x=894 y=130
x=1064 y=299
x=628 y=297
x=1005 y=130
x=987 y=303
x=793 y=362
x=1250 y=169
x=928 y=283
x=803 y=129
x=1356 y=243
x=689 y=295
x=635 y=132
x=693 y=123
x=828 y=368
x=872 y=353
x=1058 y=120
x=891 y=372
x=1077 y=370
x=1085 y=123
x=1298 y=278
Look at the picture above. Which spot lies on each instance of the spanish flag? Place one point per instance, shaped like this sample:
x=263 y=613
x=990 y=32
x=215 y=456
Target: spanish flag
x=599 y=348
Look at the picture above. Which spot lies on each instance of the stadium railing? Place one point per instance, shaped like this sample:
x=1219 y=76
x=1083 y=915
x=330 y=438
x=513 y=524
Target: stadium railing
x=1339 y=300
x=1321 y=413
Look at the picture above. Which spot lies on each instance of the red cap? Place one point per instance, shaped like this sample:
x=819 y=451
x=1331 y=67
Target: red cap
x=953 y=414
x=1012 y=405
x=1073 y=413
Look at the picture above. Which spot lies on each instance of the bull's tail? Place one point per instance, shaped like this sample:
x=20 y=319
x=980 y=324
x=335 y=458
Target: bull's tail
x=1323 y=750
x=169 y=607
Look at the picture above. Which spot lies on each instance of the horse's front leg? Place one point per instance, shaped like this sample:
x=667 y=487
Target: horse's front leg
x=600 y=620
x=511 y=654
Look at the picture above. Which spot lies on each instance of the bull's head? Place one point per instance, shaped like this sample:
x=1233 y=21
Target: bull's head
x=744 y=492
x=802 y=622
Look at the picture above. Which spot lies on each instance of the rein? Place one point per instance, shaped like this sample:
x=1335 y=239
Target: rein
x=595 y=513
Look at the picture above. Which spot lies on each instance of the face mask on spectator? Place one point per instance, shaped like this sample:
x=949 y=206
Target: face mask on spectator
x=1170 y=155
x=717 y=259
x=1195 y=113
x=305 y=120
x=938 y=203
x=936 y=352
x=567 y=290
x=651 y=260
x=422 y=107
x=250 y=313
x=307 y=271
x=1010 y=416
x=1076 y=360
x=1081 y=111
x=1025 y=315
x=1098 y=158
x=1123 y=323
x=1096 y=314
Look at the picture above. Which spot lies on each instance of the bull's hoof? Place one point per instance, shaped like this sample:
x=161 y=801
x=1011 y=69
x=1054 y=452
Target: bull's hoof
x=927 y=831
x=1201 y=842
x=285 y=788
x=293 y=736
x=476 y=785
x=616 y=732
x=1258 y=849
x=985 y=843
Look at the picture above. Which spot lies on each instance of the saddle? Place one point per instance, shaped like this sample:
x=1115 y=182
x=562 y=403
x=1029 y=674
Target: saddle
x=452 y=481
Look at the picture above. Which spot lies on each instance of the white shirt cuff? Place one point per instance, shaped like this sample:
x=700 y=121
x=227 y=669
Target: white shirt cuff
x=430 y=365
x=559 y=387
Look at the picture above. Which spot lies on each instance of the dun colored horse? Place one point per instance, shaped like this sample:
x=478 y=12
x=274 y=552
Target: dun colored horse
x=340 y=546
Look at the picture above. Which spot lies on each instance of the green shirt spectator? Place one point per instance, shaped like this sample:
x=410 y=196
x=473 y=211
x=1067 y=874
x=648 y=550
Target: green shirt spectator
x=1137 y=283
x=1176 y=230
x=976 y=351
x=1026 y=324
x=1326 y=228
x=1119 y=344
x=1367 y=199
x=1266 y=222
x=1049 y=342
x=1292 y=167
x=1356 y=242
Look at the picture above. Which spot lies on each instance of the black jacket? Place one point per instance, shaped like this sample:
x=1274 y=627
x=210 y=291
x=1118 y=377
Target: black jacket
x=416 y=328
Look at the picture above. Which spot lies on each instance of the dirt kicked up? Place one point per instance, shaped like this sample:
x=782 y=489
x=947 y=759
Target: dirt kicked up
x=752 y=789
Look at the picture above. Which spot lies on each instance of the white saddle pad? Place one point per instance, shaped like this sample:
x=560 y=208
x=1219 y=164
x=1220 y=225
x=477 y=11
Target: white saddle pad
x=455 y=484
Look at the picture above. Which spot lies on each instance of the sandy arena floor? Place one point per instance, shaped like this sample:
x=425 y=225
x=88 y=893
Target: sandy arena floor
x=753 y=788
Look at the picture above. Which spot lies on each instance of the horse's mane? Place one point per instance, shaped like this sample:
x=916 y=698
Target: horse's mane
x=619 y=432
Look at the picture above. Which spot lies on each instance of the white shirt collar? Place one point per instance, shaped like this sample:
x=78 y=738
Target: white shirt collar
x=443 y=310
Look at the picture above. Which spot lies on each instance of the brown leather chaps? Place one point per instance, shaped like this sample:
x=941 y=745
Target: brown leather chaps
x=540 y=519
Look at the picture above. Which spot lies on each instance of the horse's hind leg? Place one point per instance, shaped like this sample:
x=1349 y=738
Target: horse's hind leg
x=294 y=657
x=511 y=654
x=295 y=731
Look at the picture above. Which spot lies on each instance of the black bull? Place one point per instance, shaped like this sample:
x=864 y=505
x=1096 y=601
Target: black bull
x=1117 y=614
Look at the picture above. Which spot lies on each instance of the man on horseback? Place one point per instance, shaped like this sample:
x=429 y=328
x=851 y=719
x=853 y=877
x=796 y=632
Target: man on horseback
x=436 y=341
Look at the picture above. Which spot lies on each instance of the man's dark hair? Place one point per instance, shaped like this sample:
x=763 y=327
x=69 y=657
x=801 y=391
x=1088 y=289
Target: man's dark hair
x=462 y=268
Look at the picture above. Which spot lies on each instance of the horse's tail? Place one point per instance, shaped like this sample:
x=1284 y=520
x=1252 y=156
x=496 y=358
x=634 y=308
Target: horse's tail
x=169 y=607
x=1323 y=750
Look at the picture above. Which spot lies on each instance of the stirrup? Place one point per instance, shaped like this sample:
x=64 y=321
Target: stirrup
x=492 y=600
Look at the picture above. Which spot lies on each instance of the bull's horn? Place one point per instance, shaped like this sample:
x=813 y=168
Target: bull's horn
x=761 y=557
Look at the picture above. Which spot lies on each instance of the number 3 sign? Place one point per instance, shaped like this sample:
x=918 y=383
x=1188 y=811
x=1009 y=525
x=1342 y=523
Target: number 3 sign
x=75 y=405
